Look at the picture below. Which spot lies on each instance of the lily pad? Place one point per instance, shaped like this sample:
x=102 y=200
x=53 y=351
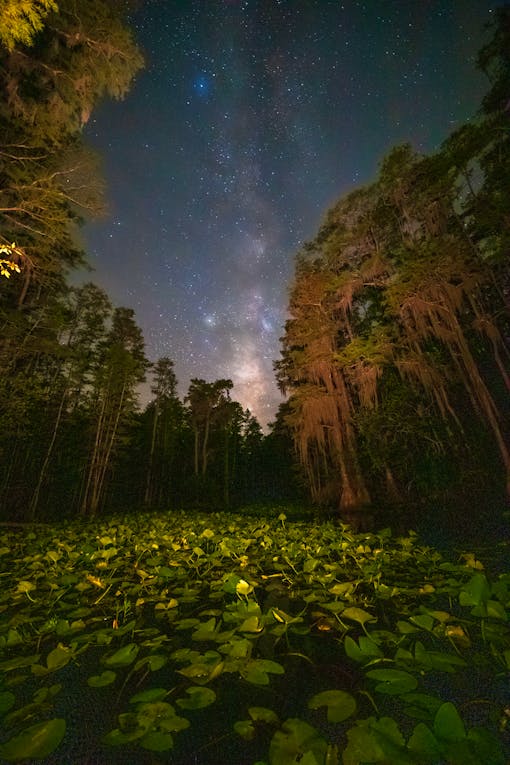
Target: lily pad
x=199 y=697
x=359 y=615
x=448 y=725
x=105 y=678
x=35 y=742
x=340 y=704
x=297 y=742
x=123 y=657
x=393 y=681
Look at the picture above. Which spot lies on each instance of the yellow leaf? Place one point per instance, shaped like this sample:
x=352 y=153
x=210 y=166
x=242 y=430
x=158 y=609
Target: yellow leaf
x=95 y=581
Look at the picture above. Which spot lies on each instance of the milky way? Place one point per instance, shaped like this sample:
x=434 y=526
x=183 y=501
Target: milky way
x=250 y=119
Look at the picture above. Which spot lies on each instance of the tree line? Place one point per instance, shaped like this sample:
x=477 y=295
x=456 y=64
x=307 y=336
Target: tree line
x=73 y=438
x=396 y=355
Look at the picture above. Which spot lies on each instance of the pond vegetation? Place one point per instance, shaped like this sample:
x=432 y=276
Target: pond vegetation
x=250 y=639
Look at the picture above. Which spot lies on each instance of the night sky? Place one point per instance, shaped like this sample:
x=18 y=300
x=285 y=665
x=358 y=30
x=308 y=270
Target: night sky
x=249 y=121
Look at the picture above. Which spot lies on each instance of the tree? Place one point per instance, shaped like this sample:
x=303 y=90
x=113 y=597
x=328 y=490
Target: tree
x=79 y=54
x=167 y=414
x=123 y=366
x=394 y=286
x=21 y=21
x=205 y=401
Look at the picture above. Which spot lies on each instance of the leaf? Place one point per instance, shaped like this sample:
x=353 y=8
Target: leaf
x=154 y=661
x=393 y=681
x=59 y=657
x=251 y=624
x=7 y=701
x=105 y=678
x=20 y=661
x=476 y=592
x=448 y=725
x=245 y=729
x=340 y=704
x=151 y=694
x=35 y=742
x=356 y=614
x=296 y=741
x=199 y=697
x=424 y=744
x=488 y=748
x=24 y=586
x=261 y=714
x=364 y=650
x=424 y=621
x=372 y=741
x=124 y=656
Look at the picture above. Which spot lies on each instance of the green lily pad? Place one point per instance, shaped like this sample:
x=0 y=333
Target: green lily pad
x=340 y=704
x=475 y=592
x=123 y=657
x=362 y=651
x=35 y=742
x=297 y=742
x=372 y=740
x=424 y=744
x=19 y=661
x=157 y=741
x=199 y=697
x=355 y=614
x=448 y=725
x=105 y=678
x=245 y=729
x=261 y=714
x=7 y=701
x=393 y=681
x=59 y=657
x=152 y=694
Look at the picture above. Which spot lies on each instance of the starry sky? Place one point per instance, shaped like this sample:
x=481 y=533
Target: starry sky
x=251 y=118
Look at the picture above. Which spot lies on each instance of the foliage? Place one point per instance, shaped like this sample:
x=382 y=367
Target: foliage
x=405 y=289
x=304 y=643
x=21 y=20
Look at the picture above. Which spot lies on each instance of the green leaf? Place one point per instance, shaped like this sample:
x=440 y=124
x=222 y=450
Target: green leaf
x=245 y=729
x=151 y=694
x=296 y=741
x=59 y=657
x=448 y=725
x=487 y=747
x=476 y=592
x=251 y=624
x=35 y=742
x=157 y=741
x=20 y=661
x=424 y=621
x=340 y=704
x=372 y=741
x=424 y=744
x=393 y=681
x=199 y=697
x=273 y=667
x=356 y=614
x=421 y=705
x=261 y=714
x=123 y=657
x=105 y=678
x=7 y=701
x=154 y=662
x=364 y=650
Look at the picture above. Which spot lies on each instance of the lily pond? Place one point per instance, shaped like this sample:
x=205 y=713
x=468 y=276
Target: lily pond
x=221 y=638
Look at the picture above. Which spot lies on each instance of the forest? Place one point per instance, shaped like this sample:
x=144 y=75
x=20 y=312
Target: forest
x=175 y=552
x=394 y=360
